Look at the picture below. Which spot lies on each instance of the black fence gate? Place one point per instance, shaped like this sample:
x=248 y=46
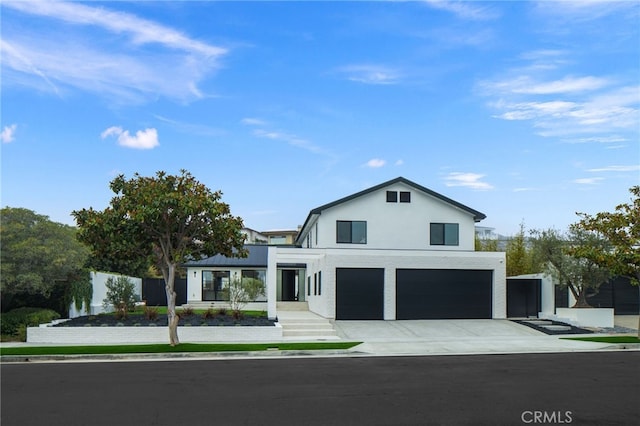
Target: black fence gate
x=523 y=297
x=154 y=294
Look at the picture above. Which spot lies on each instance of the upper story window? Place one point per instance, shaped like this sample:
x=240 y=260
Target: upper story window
x=392 y=196
x=444 y=234
x=277 y=239
x=351 y=232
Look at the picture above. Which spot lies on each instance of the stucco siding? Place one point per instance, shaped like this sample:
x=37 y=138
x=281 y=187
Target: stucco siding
x=395 y=225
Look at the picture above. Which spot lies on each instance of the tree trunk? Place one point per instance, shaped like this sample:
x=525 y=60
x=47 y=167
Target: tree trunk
x=172 y=317
x=581 y=301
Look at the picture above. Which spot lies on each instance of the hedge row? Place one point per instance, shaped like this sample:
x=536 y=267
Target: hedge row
x=11 y=321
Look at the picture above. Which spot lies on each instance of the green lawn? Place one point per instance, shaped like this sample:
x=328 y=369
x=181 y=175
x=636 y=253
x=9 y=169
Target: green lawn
x=607 y=339
x=165 y=348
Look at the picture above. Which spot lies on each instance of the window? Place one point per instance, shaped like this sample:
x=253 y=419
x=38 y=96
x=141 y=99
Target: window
x=215 y=285
x=392 y=197
x=309 y=285
x=319 y=283
x=315 y=284
x=352 y=232
x=444 y=234
x=277 y=239
x=405 y=197
x=255 y=274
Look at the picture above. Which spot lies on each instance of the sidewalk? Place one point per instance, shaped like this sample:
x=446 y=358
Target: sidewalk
x=402 y=338
x=448 y=337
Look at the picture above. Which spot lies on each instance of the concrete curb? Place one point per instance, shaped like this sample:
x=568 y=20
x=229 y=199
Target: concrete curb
x=268 y=354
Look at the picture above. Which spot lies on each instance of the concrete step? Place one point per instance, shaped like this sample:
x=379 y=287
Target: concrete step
x=307 y=332
x=292 y=306
x=306 y=326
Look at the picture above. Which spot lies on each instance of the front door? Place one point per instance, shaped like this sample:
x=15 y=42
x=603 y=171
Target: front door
x=289 y=293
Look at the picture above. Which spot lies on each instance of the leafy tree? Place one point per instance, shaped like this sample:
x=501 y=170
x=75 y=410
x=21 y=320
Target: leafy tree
x=485 y=244
x=173 y=218
x=121 y=294
x=579 y=274
x=39 y=255
x=519 y=257
x=622 y=230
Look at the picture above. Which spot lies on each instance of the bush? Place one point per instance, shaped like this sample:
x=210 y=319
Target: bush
x=209 y=313
x=243 y=291
x=121 y=295
x=12 y=321
x=151 y=313
x=186 y=311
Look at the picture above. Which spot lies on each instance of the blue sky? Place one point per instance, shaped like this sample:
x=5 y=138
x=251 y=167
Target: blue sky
x=525 y=111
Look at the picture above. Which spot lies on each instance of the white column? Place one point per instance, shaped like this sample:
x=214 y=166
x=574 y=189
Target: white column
x=389 y=312
x=272 y=282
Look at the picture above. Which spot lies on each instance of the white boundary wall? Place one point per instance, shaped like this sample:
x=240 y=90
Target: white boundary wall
x=143 y=334
x=98 y=281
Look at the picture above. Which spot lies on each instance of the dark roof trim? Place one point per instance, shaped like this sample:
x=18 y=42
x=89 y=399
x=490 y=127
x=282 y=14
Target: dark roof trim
x=477 y=216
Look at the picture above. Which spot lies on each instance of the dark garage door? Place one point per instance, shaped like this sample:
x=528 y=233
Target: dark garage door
x=359 y=294
x=443 y=294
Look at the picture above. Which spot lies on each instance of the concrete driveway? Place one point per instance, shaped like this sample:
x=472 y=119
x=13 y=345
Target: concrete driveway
x=425 y=337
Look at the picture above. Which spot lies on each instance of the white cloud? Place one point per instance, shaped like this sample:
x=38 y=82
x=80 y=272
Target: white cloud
x=632 y=168
x=375 y=163
x=399 y=162
x=8 y=133
x=292 y=140
x=143 y=139
x=141 y=31
x=464 y=10
x=74 y=49
x=597 y=139
x=588 y=181
x=469 y=180
x=525 y=84
x=370 y=74
x=253 y=122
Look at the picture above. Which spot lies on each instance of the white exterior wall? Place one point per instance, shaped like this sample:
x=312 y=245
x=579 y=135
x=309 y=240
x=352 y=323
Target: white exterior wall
x=99 y=281
x=104 y=335
x=395 y=225
x=194 y=279
x=327 y=260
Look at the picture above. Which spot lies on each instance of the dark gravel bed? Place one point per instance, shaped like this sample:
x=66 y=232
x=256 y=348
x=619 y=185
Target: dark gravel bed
x=574 y=330
x=161 y=321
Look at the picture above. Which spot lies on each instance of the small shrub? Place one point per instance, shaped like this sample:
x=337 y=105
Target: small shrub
x=186 y=311
x=209 y=313
x=237 y=315
x=28 y=317
x=222 y=312
x=151 y=313
x=121 y=295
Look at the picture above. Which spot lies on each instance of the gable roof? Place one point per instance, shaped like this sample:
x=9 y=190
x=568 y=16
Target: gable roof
x=477 y=216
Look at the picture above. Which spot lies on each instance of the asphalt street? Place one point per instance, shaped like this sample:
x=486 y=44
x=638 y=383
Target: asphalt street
x=561 y=388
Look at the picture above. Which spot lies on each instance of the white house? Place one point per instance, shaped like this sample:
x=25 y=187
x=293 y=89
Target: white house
x=394 y=251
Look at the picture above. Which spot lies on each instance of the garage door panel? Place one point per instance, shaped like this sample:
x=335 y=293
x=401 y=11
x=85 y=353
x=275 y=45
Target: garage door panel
x=443 y=294
x=359 y=294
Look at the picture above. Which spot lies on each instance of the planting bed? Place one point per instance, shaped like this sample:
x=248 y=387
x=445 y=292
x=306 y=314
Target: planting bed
x=139 y=320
